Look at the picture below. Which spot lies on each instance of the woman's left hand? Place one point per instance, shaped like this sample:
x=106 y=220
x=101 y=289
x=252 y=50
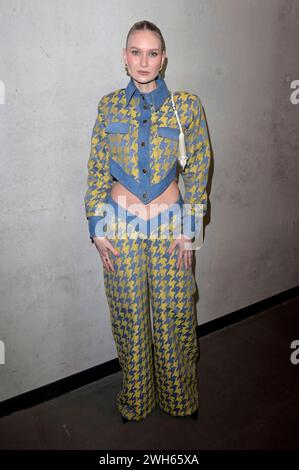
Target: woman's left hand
x=185 y=250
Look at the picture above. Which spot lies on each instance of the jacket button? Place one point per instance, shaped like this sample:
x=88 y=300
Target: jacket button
x=144 y=120
x=144 y=195
x=143 y=143
x=145 y=106
x=144 y=170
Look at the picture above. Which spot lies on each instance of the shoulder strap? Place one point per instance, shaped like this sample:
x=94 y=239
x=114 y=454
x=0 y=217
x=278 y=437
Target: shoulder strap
x=182 y=149
x=173 y=105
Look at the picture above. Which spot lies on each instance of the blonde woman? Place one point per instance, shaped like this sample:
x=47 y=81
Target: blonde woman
x=142 y=227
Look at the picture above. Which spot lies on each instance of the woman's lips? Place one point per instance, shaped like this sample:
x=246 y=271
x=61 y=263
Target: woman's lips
x=142 y=72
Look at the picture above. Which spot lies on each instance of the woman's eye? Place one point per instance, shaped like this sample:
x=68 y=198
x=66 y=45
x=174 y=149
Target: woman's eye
x=154 y=54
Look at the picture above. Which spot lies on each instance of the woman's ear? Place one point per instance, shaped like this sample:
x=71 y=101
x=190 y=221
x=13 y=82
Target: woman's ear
x=164 y=59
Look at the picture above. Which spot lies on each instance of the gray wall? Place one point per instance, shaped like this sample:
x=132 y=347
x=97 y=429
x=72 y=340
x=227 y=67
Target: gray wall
x=57 y=58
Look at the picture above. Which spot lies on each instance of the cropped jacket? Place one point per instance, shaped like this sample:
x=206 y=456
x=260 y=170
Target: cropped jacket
x=135 y=140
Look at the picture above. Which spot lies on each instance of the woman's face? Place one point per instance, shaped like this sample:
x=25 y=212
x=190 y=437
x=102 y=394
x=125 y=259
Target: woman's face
x=144 y=56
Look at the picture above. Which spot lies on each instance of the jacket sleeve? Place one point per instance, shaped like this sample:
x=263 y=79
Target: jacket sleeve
x=195 y=173
x=99 y=179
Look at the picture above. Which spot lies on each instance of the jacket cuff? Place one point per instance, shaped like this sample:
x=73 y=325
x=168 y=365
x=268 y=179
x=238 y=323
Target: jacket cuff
x=95 y=226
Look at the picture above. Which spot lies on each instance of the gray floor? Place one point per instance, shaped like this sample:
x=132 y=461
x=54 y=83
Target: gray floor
x=249 y=399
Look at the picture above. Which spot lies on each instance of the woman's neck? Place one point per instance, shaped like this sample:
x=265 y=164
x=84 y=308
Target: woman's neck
x=146 y=87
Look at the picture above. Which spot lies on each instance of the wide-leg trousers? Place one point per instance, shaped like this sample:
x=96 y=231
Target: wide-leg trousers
x=159 y=354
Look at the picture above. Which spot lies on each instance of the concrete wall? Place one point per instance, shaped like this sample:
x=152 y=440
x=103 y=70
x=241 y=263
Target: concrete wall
x=57 y=58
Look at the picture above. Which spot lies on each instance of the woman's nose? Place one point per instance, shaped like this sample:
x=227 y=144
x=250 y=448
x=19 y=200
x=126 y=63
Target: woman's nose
x=144 y=59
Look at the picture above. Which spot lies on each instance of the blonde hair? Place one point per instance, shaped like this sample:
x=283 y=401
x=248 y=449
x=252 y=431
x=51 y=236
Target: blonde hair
x=146 y=25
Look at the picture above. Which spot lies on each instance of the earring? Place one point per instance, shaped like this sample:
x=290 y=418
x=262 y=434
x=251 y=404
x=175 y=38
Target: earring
x=126 y=67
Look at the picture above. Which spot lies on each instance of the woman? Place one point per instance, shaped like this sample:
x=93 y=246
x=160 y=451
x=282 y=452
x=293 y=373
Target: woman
x=132 y=202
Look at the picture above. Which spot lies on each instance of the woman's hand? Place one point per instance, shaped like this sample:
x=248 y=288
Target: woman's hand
x=103 y=246
x=185 y=249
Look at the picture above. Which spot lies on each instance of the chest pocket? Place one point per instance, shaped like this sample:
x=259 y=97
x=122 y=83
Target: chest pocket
x=168 y=143
x=165 y=152
x=169 y=132
x=119 y=140
x=117 y=128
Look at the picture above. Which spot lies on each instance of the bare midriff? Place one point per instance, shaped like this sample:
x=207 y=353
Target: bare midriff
x=125 y=199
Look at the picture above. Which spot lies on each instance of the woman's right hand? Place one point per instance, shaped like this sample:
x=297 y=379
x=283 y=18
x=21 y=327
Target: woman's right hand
x=104 y=246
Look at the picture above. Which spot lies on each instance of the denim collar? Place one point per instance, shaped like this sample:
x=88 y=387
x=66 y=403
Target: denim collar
x=156 y=97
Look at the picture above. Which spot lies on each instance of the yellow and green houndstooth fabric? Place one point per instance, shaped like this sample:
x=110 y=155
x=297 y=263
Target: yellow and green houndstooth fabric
x=159 y=365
